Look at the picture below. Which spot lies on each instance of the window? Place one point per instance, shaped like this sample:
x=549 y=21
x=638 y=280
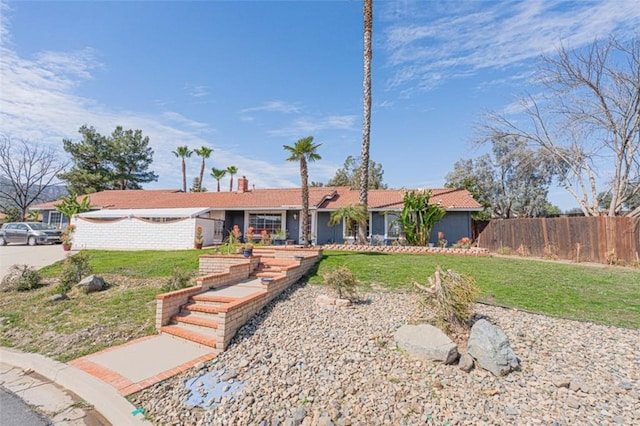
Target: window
x=55 y=219
x=270 y=222
x=352 y=231
x=392 y=225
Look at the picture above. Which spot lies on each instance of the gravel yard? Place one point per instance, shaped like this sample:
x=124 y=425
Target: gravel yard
x=296 y=363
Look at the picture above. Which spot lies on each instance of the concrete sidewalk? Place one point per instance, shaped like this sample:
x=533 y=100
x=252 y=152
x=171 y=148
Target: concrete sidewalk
x=54 y=390
x=138 y=364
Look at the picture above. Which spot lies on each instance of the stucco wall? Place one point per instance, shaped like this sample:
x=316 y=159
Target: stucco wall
x=133 y=233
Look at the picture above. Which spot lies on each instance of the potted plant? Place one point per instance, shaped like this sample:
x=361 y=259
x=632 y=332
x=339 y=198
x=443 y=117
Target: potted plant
x=199 y=239
x=247 y=250
x=67 y=237
x=279 y=237
x=441 y=241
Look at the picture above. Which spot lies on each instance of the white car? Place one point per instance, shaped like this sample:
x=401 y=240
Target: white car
x=31 y=233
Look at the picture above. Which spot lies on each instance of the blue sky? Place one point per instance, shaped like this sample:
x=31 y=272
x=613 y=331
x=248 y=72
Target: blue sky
x=244 y=78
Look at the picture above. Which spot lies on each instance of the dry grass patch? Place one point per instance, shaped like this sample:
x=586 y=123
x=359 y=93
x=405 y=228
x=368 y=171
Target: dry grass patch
x=81 y=325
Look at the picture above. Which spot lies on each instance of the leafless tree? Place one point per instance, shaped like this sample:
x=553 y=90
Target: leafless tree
x=587 y=122
x=27 y=170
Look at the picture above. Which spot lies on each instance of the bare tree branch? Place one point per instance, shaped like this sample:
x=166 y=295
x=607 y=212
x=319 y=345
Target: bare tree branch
x=26 y=171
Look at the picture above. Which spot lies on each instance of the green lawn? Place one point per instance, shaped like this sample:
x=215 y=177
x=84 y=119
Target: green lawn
x=87 y=323
x=608 y=295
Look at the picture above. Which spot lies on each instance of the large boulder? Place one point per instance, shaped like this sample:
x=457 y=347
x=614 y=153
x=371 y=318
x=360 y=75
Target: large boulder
x=490 y=347
x=91 y=284
x=426 y=342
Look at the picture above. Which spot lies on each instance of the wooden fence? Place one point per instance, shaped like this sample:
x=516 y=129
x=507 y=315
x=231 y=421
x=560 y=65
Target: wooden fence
x=600 y=239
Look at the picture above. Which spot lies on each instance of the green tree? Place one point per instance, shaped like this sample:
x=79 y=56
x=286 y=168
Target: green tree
x=367 y=13
x=130 y=158
x=513 y=182
x=232 y=170
x=204 y=152
x=304 y=150
x=196 y=186
x=461 y=178
x=418 y=217
x=183 y=152
x=551 y=210
x=27 y=171
x=217 y=175
x=350 y=173
x=119 y=161
x=351 y=214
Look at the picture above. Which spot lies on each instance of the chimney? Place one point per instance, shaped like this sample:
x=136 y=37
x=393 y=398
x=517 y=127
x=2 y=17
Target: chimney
x=243 y=184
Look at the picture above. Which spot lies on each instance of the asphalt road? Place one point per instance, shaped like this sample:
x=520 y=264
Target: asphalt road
x=15 y=412
x=36 y=256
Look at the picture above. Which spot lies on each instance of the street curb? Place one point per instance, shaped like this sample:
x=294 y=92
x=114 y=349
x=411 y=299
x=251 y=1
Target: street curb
x=105 y=399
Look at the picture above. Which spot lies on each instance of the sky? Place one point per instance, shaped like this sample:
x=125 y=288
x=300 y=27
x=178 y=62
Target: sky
x=247 y=77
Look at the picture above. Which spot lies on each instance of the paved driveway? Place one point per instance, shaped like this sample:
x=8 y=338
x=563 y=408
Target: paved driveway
x=36 y=256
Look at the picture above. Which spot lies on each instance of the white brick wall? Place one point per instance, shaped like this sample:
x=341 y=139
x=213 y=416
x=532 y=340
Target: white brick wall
x=135 y=234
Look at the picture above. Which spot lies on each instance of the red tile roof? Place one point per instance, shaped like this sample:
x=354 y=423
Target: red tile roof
x=319 y=197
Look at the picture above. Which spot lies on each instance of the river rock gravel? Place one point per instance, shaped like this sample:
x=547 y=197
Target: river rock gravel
x=299 y=364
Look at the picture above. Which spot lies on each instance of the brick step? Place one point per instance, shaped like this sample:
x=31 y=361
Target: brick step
x=204 y=331
x=277 y=262
x=187 y=334
x=200 y=307
x=211 y=299
x=201 y=321
x=267 y=268
x=257 y=274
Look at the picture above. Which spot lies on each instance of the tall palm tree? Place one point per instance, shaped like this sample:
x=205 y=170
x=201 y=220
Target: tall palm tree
x=232 y=170
x=303 y=151
x=367 y=13
x=204 y=152
x=183 y=152
x=218 y=174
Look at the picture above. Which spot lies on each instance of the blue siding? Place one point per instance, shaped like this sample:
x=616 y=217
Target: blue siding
x=455 y=225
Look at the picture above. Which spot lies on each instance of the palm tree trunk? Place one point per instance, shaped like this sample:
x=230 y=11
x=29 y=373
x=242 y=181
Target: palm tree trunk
x=366 y=122
x=201 y=174
x=304 y=175
x=184 y=176
x=230 y=182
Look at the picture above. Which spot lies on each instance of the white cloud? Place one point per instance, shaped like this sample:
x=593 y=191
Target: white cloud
x=38 y=102
x=197 y=91
x=308 y=125
x=181 y=119
x=275 y=106
x=457 y=39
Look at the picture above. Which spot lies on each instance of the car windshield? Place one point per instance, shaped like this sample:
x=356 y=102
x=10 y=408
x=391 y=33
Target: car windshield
x=37 y=226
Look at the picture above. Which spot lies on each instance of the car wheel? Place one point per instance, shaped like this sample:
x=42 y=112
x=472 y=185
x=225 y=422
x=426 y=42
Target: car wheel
x=32 y=241
x=3 y=242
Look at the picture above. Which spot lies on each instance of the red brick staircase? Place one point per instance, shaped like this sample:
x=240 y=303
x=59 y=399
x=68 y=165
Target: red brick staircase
x=197 y=320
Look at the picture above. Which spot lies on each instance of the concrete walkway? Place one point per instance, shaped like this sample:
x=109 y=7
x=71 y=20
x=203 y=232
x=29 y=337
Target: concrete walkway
x=143 y=362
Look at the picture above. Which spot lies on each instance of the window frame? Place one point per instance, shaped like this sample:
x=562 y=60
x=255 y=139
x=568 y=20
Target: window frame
x=257 y=230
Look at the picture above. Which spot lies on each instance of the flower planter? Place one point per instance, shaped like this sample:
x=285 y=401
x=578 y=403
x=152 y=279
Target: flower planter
x=66 y=247
x=197 y=246
x=247 y=252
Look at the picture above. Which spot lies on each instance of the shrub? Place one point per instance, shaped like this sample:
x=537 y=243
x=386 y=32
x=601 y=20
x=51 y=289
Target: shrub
x=451 y=297
x=464 y=242
x=20 y=278
x=74 y=269
x=343 y=283
x=179 y=279
x=504 y=250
